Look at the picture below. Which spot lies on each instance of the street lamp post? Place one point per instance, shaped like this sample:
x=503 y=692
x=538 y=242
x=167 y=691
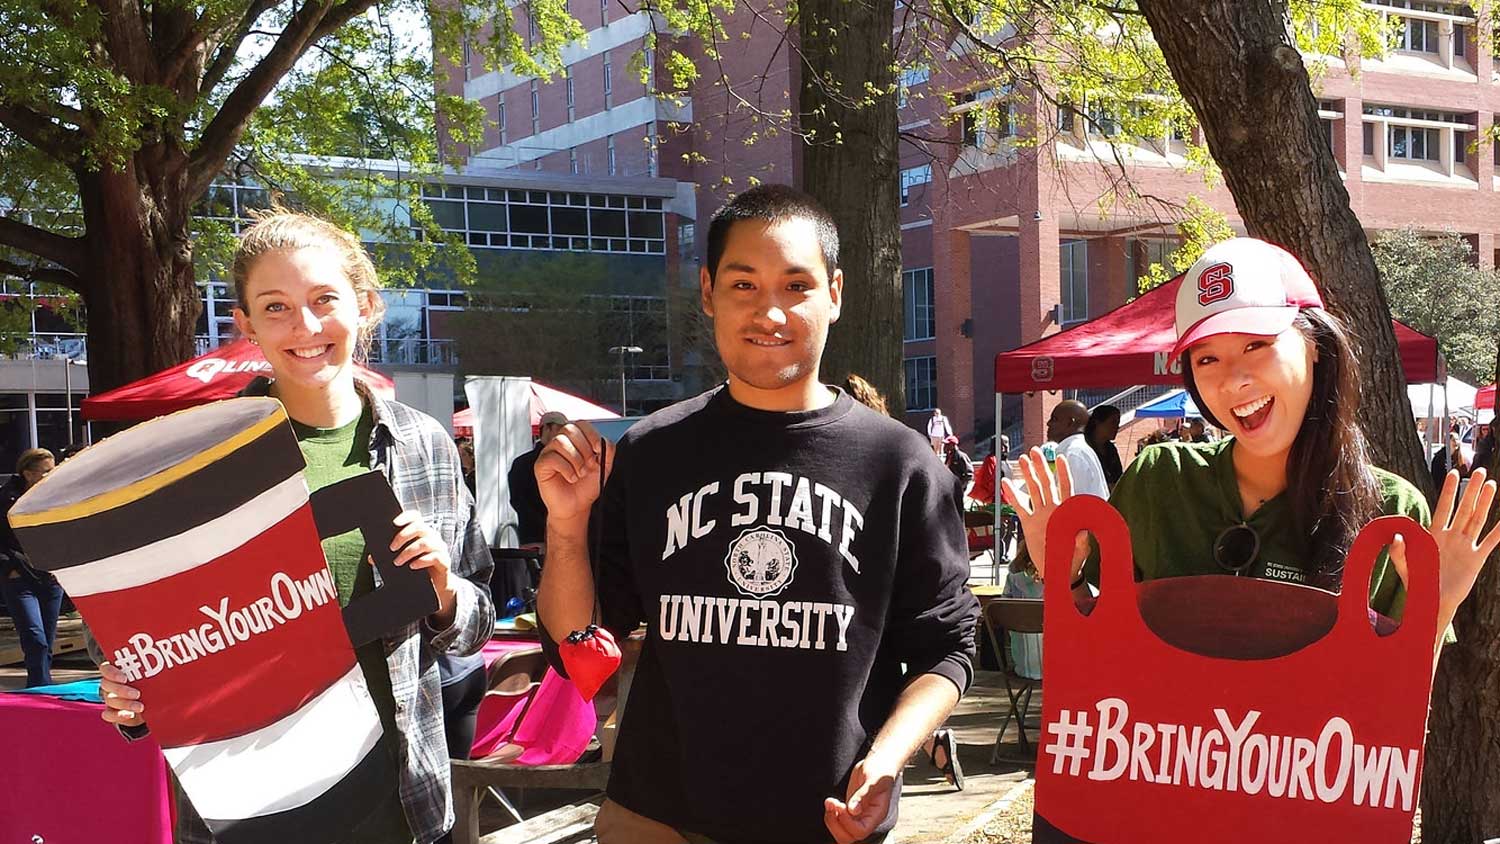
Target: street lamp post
x=622 y=351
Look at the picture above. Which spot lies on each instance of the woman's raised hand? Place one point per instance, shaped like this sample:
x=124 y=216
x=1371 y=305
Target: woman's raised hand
x=1463 y=546
x=1034 y=507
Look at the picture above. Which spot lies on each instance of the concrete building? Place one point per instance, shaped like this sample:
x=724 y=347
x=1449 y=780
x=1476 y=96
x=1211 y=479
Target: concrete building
x=1002 y=243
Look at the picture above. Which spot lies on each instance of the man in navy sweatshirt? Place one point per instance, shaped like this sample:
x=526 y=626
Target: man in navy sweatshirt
x=798 y=560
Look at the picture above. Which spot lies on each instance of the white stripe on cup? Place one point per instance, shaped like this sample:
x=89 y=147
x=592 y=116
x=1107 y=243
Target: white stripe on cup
x=286 y=765
x=187 y=550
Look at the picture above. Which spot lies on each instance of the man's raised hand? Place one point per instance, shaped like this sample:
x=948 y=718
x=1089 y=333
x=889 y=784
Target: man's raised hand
x=567 y=472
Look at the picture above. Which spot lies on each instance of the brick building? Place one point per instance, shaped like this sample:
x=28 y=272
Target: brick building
x=1002 y=244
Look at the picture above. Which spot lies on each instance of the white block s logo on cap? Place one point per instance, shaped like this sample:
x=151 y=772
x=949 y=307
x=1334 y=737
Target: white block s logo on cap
x=1242 y=286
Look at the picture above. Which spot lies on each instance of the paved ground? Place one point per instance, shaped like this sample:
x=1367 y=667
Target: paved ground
x=931 y=810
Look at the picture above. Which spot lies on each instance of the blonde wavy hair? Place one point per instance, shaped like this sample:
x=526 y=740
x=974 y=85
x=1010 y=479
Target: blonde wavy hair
x=280 y=230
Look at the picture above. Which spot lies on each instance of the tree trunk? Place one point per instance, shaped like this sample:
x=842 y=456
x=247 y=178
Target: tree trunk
x=1237 y=68
x=1461 y=783
x=141 y=298
x=851 y=165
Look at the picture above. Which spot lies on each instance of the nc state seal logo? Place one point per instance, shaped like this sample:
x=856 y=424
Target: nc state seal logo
x=761 y=562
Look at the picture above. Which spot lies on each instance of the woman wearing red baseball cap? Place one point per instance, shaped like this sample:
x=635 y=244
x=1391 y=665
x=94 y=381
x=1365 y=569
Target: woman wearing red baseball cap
x=1284 y=495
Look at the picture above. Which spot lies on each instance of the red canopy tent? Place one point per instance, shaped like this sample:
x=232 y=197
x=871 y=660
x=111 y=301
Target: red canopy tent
x=1485 y=400
x=216 y=375
x=1131 y=345
x=544 y=399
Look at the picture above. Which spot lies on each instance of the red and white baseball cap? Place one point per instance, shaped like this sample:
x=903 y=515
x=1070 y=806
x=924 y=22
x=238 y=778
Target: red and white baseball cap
x=1242 y=286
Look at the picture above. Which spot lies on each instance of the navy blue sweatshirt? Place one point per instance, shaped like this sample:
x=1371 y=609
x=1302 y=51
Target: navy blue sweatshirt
x=794 y=572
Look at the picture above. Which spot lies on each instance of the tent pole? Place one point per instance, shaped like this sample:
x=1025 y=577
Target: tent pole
x=995 y=552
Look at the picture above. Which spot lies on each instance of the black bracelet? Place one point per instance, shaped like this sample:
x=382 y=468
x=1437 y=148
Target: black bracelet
x=1082 y=579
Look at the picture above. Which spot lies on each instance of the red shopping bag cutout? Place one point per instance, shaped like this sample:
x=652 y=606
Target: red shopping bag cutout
x=1144 y=741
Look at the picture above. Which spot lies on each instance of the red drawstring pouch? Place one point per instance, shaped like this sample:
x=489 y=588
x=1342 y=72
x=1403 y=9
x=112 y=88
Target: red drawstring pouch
x=590 y=655
x=1230 y=709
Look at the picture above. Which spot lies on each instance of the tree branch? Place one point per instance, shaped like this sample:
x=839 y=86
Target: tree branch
x=58 y=142
x=48 y=275
x=126 y=40
x=313 y=21
x=60 y=250
x=225 y=39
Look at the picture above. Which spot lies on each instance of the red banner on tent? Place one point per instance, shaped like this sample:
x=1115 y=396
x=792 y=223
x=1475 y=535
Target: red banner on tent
x=1132 y=344
x=219 y=374
x=1228 y=709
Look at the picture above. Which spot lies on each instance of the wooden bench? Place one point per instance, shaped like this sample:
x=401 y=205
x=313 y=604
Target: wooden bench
x=473 y=777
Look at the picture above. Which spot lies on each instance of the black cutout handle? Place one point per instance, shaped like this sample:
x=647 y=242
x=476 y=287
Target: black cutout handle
x=366 y=503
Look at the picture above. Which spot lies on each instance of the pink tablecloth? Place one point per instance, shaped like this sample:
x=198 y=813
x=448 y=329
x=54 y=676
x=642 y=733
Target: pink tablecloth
x=71 y=777
x=557 y=727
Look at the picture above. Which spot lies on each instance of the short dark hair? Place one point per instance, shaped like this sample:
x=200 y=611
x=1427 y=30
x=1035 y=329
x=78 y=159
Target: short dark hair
x=772 y=203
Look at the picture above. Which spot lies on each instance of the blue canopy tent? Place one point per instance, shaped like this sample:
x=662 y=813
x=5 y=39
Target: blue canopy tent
x=1174 y=405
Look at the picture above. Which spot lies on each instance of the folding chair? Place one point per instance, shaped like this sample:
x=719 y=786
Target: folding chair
x=515 y=676
x=1003 y=617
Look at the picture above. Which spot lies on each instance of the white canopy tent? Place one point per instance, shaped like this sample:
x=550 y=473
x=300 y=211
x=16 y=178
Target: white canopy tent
x=1431 y=401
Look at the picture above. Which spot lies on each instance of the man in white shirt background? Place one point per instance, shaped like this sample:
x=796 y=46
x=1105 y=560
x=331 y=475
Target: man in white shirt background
x=1065 y=427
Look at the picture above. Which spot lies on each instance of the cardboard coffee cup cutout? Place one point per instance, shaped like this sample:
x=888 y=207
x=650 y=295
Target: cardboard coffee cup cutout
x=192 y=548
x=1145 y=741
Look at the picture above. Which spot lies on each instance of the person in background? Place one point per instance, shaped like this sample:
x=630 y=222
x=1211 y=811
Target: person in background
x=1065 y=427
x=531 y=513
x=960 y=465
x=942 y=748
x=1484 y=447
x=466 y=460
x=1194 y=431
x=1452 y=457
x=1103 y=426
x=865 y=393
x=938 y=430
x=34 y=598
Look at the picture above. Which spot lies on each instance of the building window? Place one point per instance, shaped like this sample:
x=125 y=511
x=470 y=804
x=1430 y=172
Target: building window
x=531 y=35
x=508 y=218
x=604 y=12
x=468 y=57
x=1073 y=286
x=921 y=383
x=651 y=141
x=1065 y=115
x=985 y=124
x=1418 y=36
x=568 y=81
x=609 y=152
x=1328 y=132
x=908 y=79
x=573 y=160
x=1413 y=143
x=1369 y=138
x=687 y=241
x=500 y=117
x=536 y=109
x=1460 y=147
x=921 y=316
x=608 y=73
x=911 y=177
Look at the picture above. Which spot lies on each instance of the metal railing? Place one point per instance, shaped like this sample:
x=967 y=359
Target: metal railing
x=414 y=351
x=72 y=346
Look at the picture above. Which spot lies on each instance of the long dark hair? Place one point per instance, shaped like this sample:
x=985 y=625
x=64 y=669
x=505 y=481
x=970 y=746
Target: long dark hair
x=1101 y=415
x=1331 y=489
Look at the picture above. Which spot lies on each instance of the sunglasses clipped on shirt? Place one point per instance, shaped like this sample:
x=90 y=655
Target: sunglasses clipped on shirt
x=1237 y=548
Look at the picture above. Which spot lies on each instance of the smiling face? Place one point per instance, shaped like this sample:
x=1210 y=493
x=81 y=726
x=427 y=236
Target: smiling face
x=1257 y=387
x=305 y=315
x=772 y=301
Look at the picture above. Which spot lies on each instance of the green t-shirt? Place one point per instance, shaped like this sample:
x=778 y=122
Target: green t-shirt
x=333 y=454
x=1178 y=498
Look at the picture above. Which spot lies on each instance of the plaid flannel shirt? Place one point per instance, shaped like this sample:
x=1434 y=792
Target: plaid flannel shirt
x=420 y=460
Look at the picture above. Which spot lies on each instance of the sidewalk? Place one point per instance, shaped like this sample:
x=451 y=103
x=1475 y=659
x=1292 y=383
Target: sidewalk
x=930 y=809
